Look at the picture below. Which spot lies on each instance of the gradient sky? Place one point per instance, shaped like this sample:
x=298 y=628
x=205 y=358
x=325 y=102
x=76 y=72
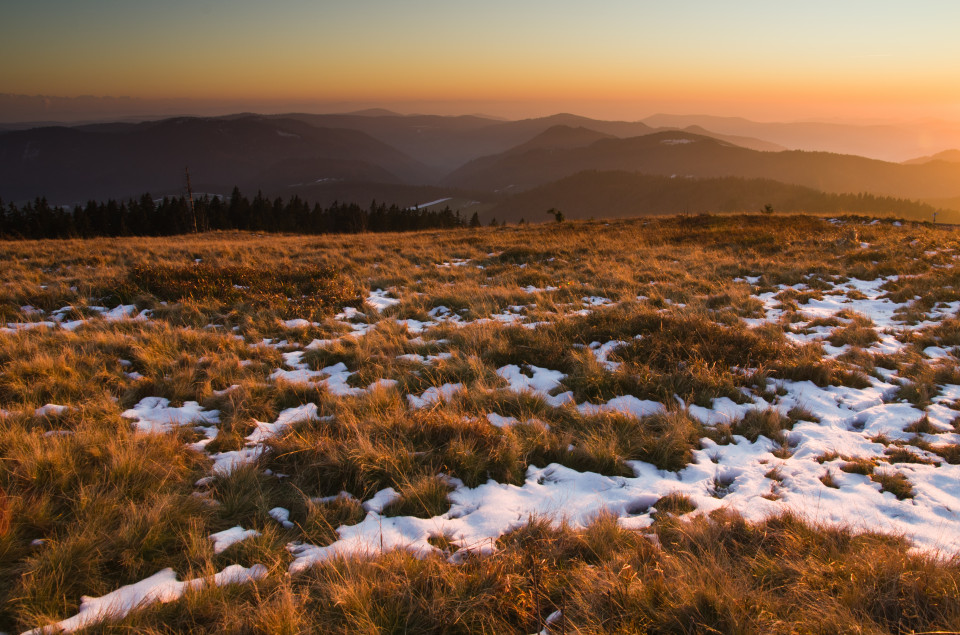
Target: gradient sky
x=767 y=59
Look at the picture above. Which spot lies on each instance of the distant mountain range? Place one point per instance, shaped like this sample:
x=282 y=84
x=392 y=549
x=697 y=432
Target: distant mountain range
x=950 y=156
x=887 y=142
x=684 y=154
x=276 y=154
x=490 y=164
x=446 y=143
x=118 y=160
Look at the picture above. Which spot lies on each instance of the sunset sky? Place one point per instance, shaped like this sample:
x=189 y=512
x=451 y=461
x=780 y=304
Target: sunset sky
x=767 y=59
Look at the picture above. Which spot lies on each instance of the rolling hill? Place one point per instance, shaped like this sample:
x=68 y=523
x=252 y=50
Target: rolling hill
x=685 y=154
x=886 y=142
x=253 y=152
x=408 y=160
x=446 y=143
x=951 y=156
x=737 y=140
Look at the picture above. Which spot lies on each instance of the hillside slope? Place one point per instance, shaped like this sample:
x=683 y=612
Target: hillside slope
x=887 y=142
x=116 y=160
x=951 y=156
x=685 y=154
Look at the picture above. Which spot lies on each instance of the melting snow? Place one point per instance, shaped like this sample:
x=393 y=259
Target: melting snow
x=51 y=409
x=161 y=587
x=282 y=516
x=287 y=418
x=154 y=415
x=222 y=540
x=434 y=395
x=380 y=301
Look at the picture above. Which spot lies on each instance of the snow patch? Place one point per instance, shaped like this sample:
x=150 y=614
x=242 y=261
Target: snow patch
x=161 y=587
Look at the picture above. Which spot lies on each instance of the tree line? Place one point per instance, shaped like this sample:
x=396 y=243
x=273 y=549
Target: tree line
x=145 y=216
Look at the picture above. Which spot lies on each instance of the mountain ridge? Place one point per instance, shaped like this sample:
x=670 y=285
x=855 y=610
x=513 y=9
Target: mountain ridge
x=682 y=153
x=116 y=160
x=377 y=153
x=887 y=142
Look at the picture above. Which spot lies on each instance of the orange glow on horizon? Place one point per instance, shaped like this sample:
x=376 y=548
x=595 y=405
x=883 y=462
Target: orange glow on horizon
x=748 y=57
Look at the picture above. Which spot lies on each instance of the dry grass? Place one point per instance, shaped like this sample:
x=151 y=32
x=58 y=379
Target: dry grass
x=94 y=505
x=716 y=575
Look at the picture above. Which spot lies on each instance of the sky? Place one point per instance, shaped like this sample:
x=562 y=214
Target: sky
x=770 y=60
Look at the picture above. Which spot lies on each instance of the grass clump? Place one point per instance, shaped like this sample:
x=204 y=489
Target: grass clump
x=444 y=542
x=323 y=517
x=603 y=443
x=768 y=423
x=424 y=497
x=949 y=452
x=862 y=466
x=828 y=480
x=859 y=333
x=245 y=496
x=894 y=482
x=670 y=440
x=922 y=426
x=799 y=413
x=899 y=454
x=673 y=504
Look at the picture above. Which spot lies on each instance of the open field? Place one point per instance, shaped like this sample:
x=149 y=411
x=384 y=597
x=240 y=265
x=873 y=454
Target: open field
x=747 y=424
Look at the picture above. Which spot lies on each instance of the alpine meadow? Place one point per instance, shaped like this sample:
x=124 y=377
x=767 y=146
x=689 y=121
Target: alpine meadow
x=322 y=318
